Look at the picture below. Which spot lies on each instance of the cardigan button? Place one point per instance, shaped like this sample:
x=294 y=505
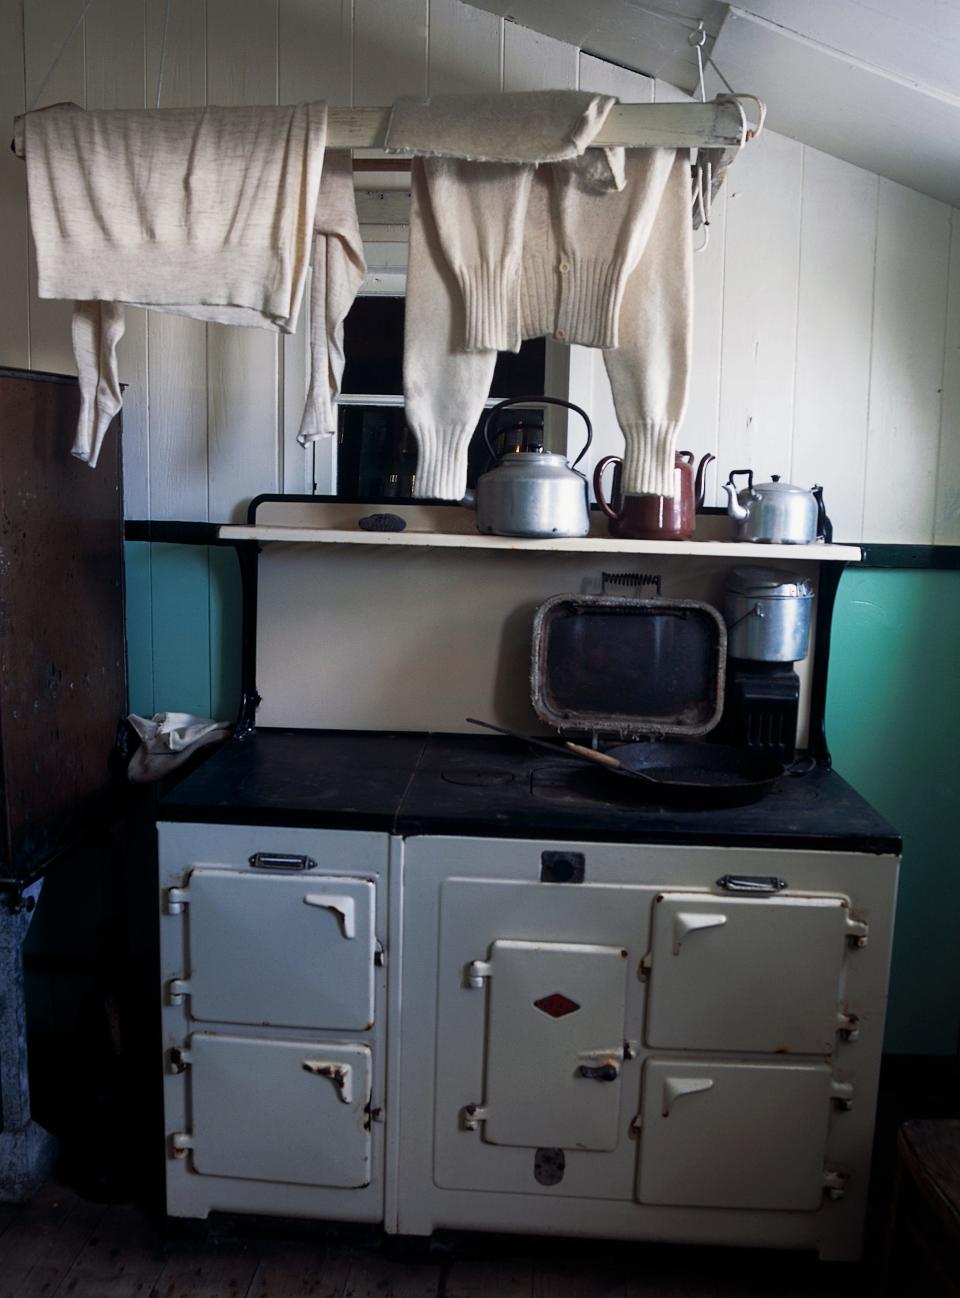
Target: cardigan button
x=564 y=267
x=561 y=333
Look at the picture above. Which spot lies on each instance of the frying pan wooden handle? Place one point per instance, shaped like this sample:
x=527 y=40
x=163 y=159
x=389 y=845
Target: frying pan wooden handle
x=593 y=755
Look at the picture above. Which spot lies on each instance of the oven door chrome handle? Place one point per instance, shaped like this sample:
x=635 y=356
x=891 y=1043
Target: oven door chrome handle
x=281 y=861
x=755 y=884
x=345 y=907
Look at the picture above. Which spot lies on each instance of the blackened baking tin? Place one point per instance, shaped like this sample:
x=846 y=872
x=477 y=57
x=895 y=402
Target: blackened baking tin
x=629 y=667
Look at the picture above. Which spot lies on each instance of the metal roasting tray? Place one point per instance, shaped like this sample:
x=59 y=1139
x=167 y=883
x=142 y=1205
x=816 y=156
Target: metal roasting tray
x=629 y=667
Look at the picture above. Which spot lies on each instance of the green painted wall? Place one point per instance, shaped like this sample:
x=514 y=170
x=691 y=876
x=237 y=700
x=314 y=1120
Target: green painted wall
x=183 y=629
x=893 y=722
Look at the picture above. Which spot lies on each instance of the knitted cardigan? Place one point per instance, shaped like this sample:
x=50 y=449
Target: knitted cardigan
x=500 y=252
x=209 y=213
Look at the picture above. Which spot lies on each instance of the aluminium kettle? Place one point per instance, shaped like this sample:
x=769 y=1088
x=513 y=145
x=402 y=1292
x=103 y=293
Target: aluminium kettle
x=532 y=493
x=777 y=512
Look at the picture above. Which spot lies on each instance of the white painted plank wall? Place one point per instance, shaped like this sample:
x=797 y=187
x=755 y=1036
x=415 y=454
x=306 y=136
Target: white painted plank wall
x=947 y=517
x=903 y=430
x=827 y=330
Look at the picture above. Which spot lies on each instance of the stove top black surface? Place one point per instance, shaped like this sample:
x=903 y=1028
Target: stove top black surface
x=473 y=785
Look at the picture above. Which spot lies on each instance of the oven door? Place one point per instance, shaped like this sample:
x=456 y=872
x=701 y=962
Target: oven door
x=279 y=950
x=746 y=973
x=278 y=1110
x=555 y=1029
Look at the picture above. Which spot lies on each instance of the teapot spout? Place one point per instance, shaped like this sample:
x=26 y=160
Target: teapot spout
x=469 y=500
x=736 y=511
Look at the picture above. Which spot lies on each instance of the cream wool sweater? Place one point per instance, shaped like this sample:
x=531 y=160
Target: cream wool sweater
x=210 y=213
x=501 y=252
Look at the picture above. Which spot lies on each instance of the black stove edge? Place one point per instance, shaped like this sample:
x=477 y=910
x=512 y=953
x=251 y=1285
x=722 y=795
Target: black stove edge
x=420 y=827
x=408 y=825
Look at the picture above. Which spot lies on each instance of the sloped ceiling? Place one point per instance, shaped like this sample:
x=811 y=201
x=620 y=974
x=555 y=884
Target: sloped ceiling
x=876 y=82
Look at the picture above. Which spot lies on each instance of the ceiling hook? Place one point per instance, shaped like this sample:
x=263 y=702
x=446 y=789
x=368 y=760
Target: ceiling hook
x=698 y=38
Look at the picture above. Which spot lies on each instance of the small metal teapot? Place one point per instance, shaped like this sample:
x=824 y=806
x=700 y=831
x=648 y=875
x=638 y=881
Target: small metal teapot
x=532 y=493
x=777 y=512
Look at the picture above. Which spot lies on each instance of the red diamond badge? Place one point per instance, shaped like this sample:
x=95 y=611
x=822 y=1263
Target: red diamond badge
x=556 y=1005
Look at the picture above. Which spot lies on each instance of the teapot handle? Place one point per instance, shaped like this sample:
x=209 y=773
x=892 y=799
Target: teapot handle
x=598 y=485
x=699 y=486
x=535 y=401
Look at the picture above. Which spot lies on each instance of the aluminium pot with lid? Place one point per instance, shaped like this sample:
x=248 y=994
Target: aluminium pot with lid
x=768 y=613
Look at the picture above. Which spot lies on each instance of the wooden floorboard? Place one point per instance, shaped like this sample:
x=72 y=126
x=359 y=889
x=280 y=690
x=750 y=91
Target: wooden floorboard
x=212 y=1270
x=291 y=1269
x=122 y=1258
x=43 y=1240
x=62 y=1246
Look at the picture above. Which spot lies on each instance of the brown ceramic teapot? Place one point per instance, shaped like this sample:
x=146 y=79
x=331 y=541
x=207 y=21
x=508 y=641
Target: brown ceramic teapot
x=654 y=518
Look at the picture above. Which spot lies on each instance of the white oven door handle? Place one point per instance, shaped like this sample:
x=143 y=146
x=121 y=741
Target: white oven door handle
x=688 y=921
x=675 y=1087
x=345 y=907
x=340 y=1074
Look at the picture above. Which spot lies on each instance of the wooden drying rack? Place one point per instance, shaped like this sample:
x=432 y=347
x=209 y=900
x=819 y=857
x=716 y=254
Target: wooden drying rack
x=718 y=125
x=681 y=126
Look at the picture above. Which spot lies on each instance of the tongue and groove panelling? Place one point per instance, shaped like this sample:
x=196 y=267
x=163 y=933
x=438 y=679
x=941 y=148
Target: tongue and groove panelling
x=826 y=338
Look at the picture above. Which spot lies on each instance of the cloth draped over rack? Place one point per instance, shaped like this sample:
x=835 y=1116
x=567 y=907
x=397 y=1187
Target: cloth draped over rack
x=512 y=249
x=521 y=226
x=524 y=126
x=210 y=213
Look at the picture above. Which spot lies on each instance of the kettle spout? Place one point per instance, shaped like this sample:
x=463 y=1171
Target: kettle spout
x=736 y=511
x=469 y=500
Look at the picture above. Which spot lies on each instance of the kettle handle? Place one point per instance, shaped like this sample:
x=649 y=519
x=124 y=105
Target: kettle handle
x=824 y=526
x=598 y=485
x=538 y=401
x=736 y=473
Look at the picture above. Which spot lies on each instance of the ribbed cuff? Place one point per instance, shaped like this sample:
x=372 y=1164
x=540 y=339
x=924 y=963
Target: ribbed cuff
x=538 y=296
x=591 y=291
x=442 y=462
x=648 y=460
x=491 y=303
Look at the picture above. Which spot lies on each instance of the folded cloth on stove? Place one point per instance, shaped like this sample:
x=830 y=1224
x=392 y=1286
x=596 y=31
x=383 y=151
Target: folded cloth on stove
x=529 y=126
x=167 y=740
x=204 y=212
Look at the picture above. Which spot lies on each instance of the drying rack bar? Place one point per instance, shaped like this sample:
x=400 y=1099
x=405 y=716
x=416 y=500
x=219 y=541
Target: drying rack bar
x=680 y=126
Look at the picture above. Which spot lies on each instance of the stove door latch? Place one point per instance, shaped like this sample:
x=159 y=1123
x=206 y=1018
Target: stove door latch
x=477 y=971
x=471 y=1115
x=606 y=1072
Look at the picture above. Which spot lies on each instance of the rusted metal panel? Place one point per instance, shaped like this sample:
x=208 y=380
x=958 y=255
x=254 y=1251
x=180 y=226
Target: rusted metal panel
x=63 y=684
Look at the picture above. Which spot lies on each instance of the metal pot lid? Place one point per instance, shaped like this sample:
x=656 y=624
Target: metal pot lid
x=782 y=488
x=768 y=583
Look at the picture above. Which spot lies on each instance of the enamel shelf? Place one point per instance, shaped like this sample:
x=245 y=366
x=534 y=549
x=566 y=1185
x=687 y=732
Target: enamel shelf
x=273 y=532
